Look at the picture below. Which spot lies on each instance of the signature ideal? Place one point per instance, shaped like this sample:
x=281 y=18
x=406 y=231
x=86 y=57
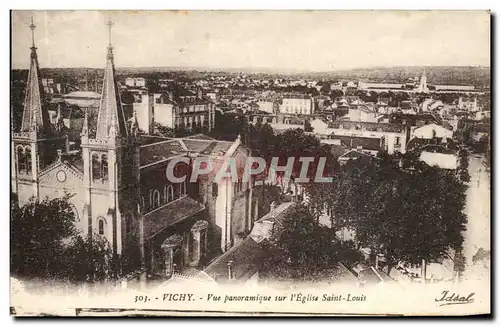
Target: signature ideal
x=454 y=298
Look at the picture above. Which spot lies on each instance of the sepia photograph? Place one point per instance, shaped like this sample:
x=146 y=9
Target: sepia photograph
x=250 y=163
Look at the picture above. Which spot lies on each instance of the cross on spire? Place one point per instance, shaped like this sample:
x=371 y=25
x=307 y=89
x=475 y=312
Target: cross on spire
x=32 y=27
x=110 y=25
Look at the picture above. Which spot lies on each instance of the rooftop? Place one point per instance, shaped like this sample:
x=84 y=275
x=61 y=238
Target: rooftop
x=167 y=215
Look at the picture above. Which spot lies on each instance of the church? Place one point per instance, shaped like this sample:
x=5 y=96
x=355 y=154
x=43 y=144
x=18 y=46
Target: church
x=117 y=181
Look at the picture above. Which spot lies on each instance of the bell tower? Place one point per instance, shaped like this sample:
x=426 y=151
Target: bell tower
x=110 y=155
x=35 y=144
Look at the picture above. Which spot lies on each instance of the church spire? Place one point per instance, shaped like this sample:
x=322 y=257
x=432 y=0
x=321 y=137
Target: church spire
x=34 y=118
x=111 y=116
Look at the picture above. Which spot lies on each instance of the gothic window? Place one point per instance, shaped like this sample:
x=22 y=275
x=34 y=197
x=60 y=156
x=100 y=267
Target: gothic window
x=182 y=189
x=143 y=204
x=75 y=212
x=96 y=167
x=101 y=226
x=170 y=193
x=156 y=199
x=28 y=162
x=21 y=160
x=215 y=190
x=104 y=167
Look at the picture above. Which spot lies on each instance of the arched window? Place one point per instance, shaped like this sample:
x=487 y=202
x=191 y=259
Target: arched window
x=21 y=161
x=101 y=226
x=96 y=167
x=104 y=167
x=75 y=212
x=170 y=193
x=28 y=161
x=182 y=189
x=156 y=199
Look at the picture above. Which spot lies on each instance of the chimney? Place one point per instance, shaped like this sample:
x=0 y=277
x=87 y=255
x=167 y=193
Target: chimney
x=200 y=94
x=230 y=272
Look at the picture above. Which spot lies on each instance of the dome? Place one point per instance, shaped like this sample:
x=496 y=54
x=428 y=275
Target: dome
x=84 y=94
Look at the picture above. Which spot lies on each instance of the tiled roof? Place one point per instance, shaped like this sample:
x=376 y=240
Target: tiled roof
x=370 y=143
x=163 y=217
x=156 y=152
x=207 y=147
x=416 y=143
x=246 y=256
x=199 y=137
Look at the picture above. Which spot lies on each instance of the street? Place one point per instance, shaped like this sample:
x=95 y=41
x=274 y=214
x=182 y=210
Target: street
x=477 y=208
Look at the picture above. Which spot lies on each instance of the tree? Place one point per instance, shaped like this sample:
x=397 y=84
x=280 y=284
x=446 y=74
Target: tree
x=80 y=259
x=45 y=243
x=163 y=131
x=38 y=230
x=308 y=127
x=406 y=215
x=304 y=251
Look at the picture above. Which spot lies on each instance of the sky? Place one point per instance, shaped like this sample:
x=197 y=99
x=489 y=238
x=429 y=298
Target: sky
x=281 y=40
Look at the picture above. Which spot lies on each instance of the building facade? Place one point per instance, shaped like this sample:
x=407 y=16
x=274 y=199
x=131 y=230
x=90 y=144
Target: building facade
x=118 y=185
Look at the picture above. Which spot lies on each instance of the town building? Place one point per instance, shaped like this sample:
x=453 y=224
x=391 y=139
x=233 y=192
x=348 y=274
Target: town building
x=118 y=185
x=395 y=136
x=174 y=109
x=301 y=104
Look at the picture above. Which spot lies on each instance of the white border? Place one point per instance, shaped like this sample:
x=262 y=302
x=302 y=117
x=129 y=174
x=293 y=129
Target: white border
x=186 y=4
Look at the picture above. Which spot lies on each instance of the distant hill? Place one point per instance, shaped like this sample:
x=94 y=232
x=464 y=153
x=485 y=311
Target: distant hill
x=459 y=75
x=456 y=75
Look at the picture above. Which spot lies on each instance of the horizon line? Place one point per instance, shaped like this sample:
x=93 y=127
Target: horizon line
x=264 y=69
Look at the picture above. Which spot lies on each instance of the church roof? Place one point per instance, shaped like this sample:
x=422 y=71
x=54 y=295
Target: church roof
x=165 y=216
x=156 y=152
x=83 y=95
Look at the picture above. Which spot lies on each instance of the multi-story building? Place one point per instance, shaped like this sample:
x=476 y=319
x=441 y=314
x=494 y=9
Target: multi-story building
x=135 y=82
x=394 y=136
x=119 y=186
x=301 y=104
x=174 y=109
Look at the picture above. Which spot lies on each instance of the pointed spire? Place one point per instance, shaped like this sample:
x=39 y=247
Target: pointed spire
x=85 y=128
x=111 y=114
x=34 y=118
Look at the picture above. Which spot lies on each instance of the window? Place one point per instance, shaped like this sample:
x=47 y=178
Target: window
x=96 y=167
x=104 y=167
x=21 y=162
x=156 y=199
x=28 y=162
x=169 y=193
x=182 y=189
x=75 y=212
x=215 y=190
x=397 y=140
x=143 y=204
x=101 y=227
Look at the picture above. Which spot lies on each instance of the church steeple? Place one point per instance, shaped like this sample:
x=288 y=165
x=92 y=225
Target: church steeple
x=111 y=119
x=34 y=118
